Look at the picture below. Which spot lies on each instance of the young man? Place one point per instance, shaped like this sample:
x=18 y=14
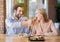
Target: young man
x=13 y=24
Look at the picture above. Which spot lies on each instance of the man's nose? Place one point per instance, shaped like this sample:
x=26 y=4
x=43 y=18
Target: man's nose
x=20 y=12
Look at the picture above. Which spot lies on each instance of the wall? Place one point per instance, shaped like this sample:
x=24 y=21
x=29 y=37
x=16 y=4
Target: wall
x=51 y=8
x=1 y=16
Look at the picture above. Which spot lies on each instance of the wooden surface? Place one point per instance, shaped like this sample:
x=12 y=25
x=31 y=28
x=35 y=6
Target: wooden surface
x=16 y=38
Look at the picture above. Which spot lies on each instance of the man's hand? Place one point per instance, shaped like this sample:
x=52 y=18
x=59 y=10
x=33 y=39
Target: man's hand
x=24 y=23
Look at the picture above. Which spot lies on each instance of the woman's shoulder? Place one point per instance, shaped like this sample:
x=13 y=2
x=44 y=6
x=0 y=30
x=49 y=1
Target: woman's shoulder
x=50 y=21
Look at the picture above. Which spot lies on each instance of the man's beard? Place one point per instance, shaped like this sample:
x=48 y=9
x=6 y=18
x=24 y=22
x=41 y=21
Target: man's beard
x=17 y=16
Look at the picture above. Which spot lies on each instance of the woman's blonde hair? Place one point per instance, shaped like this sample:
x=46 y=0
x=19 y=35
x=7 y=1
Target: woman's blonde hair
x=44 y=14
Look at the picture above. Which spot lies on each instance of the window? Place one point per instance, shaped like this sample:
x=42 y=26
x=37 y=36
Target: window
x=34 y=4
x=20 y=1
x=9 y=5
x=30 y=6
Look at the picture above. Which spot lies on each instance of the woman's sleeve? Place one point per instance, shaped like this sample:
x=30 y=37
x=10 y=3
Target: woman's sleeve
x=53 y=28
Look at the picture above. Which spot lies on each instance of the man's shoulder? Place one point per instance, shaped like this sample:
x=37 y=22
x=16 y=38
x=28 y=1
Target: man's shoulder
x=10 y=18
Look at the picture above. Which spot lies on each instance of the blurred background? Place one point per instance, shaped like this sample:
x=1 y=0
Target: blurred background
x=52 y=9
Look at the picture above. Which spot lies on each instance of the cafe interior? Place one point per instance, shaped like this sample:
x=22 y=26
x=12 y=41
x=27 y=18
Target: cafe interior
x=6 y=10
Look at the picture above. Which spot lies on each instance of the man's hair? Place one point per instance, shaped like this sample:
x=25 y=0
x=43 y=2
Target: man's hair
x=16 y=6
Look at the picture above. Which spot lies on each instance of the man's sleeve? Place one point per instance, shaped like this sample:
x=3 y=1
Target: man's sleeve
x=11 y=24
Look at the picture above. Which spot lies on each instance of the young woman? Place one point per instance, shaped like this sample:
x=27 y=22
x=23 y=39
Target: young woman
x=41 y=25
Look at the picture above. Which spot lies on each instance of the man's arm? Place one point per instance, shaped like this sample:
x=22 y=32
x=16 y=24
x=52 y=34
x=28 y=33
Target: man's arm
x=11 y=24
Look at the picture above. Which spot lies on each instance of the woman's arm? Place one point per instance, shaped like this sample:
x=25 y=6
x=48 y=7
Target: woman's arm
x=53 y=29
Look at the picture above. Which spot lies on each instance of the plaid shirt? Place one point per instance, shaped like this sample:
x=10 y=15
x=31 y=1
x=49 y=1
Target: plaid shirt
x=14 y=27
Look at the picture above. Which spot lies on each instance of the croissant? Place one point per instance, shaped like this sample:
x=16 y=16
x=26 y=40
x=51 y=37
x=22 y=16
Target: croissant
x=34 y=20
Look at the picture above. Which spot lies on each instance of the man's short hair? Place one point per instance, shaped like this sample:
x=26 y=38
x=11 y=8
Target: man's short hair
x=16 y=6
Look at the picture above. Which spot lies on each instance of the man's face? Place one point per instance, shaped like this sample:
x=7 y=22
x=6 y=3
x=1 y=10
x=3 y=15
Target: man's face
x=19 y=12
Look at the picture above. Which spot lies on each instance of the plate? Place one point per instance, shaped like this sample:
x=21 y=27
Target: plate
x=31 y=38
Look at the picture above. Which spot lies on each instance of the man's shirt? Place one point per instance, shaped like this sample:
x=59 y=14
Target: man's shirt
x=15 y=27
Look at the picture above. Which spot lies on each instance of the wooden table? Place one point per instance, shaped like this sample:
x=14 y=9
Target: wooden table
x=16 y=38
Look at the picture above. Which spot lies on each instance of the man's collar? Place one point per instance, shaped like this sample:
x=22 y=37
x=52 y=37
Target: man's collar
x=13 y=17
x=19 y=18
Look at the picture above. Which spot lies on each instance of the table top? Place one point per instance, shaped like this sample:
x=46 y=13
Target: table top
x=16 y=38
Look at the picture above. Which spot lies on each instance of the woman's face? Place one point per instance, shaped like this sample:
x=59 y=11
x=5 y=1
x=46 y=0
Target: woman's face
x=38 y=15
